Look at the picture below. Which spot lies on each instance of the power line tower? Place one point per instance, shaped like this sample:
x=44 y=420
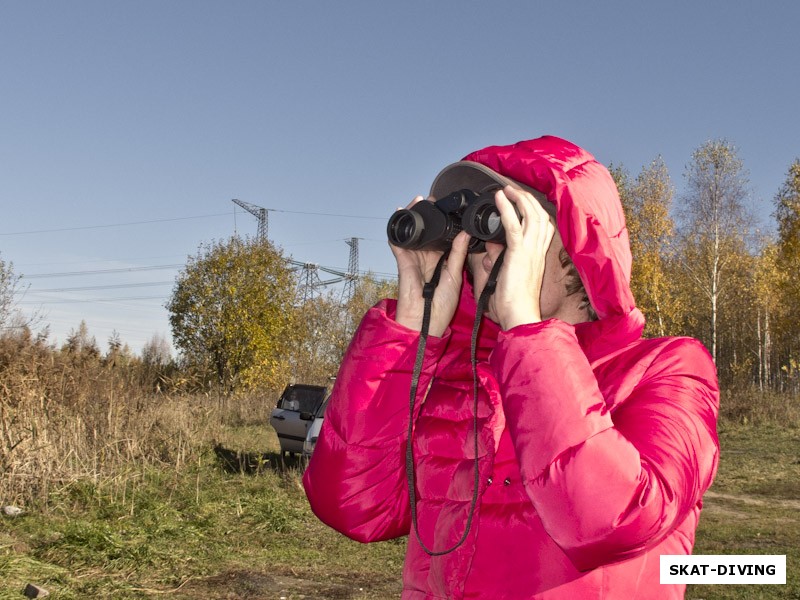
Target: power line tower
x=262 y=214
x=350 y=279
x=351 y=276
x=308 y=283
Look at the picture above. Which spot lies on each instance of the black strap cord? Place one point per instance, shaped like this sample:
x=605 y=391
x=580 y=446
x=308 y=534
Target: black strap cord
x=427 y=294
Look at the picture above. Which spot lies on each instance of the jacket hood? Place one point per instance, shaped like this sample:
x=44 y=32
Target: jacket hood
x=591 y=222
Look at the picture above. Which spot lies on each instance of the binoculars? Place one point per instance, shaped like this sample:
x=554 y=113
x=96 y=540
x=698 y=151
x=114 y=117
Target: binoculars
x=434 y=225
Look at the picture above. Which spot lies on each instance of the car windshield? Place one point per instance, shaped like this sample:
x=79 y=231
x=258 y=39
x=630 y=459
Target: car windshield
x=302 y=399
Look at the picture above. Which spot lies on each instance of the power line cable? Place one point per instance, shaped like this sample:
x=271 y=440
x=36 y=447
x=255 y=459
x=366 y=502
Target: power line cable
x=83 y=227
x=151 y=221
x=319 y=214
x=174 y=266
x=102 y=287
x=90 y=300
x=103 y=260
x=103 y=271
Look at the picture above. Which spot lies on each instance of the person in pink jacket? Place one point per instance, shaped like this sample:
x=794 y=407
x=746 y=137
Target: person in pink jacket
x=573 y=454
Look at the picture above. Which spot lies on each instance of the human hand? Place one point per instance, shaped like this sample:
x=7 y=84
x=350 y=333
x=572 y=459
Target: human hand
x=516 y=299
x=415 y=268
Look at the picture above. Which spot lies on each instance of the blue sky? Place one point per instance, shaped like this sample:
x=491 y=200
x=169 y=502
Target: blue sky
x=151 y=116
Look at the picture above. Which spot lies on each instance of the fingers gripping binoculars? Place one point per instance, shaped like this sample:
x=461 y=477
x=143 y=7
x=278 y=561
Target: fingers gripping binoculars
x=434 y=225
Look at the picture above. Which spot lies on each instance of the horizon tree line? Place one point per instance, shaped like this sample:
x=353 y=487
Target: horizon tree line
x=700 y=268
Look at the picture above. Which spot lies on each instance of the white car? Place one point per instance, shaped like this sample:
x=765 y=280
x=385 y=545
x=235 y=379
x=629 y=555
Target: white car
x=294 y=414
x=313 y=431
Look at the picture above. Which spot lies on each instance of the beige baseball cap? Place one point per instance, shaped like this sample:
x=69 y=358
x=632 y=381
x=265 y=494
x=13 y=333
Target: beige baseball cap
x=479 y=178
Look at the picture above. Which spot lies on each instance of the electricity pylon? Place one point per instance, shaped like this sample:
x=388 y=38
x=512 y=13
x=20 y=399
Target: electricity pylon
x=309 y=282
x=351 y=276
x=262 y=214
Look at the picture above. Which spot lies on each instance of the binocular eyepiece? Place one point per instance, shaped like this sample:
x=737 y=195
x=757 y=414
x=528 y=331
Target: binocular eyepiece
x=434 y=225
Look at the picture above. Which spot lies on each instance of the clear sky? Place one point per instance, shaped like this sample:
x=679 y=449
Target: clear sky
x=126 y=128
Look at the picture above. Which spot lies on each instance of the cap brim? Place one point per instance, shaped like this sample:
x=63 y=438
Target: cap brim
x=479 y=178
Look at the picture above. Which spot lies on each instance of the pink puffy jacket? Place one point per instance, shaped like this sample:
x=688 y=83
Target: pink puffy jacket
x=596 y=445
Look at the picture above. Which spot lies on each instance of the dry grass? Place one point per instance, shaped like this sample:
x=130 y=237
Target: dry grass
x=75 y=416
x=749 y=406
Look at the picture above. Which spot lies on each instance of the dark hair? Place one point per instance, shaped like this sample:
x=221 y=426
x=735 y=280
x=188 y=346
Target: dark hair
x=574 y=284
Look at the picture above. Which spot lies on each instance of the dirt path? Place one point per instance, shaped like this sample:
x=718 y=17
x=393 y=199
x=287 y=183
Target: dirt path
x=252 y=585
x=754 y=500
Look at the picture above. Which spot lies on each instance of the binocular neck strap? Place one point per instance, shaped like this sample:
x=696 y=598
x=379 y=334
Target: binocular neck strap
x=483 y=300
x=427 y=293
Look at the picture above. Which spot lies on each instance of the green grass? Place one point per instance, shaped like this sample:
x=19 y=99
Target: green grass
x=207 y=533
x=200 y=533
x=754 y=508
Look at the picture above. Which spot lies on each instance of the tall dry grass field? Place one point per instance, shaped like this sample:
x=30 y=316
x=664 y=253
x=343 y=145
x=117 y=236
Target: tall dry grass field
x=68 y=415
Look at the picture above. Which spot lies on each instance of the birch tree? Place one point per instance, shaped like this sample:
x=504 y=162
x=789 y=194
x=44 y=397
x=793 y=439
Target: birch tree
x=8 y=284
x=647 y=202
x=787 y=213
x=714 y=228
x=652 y=242
x=325 y=327
x=11 y=291
x=768 y=280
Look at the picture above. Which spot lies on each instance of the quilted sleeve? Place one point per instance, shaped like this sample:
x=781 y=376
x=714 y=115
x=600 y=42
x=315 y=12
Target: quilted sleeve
x=356 y=479
x=608 y=489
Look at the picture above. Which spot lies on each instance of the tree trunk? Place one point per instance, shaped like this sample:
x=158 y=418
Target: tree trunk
x=760 y=353
x=714 y=319
x=767 y=349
